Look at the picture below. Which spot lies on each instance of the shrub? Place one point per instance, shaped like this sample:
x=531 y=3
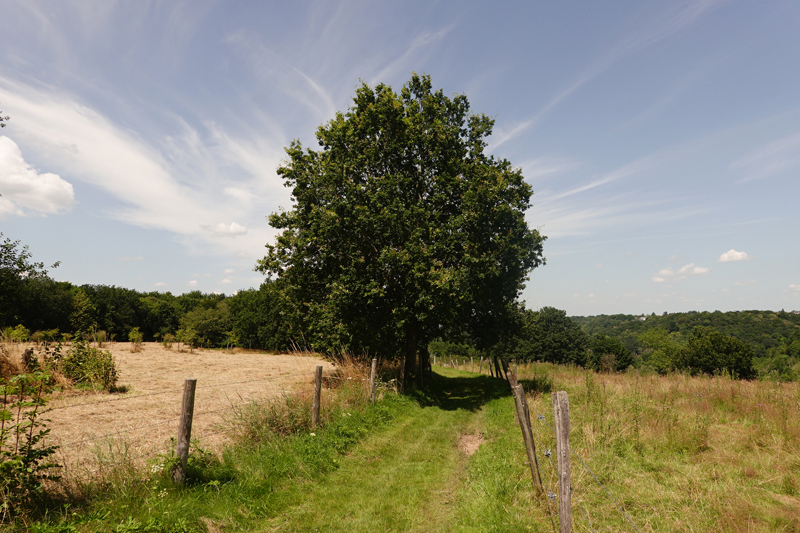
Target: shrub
x=135 y=336
x=24 y=456
x=86 y=365
x=167 y=340
x=100 y=337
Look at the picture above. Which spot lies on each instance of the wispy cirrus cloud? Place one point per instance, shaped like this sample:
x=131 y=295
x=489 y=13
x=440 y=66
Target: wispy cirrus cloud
x=419 y=46
x=774 y=158
x=178 y=183
x=650 y=28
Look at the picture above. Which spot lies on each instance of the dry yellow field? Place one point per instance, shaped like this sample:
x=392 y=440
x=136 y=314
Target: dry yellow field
x=138 y=424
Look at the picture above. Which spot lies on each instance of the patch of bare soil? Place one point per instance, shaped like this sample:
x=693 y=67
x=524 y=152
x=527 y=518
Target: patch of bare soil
x=138 y=424
x=469 y=444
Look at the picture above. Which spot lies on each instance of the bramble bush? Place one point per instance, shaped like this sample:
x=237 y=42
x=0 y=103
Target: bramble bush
x=24 y=455
x=85 y=365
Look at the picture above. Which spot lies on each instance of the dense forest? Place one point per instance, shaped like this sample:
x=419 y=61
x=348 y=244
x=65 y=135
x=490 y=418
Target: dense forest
x=773 y=336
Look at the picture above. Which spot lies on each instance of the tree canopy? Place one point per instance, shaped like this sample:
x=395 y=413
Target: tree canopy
x=403 y=229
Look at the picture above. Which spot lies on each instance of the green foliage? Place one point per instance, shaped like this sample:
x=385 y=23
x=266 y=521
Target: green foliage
x=187 y=336
x=135 y=338
x=209 y=324
x=263 y=319
x=85 y=365
x=18 y=277
x=402 y=226
x=545 y=335
x=20 y=333
x=444 y=350
x=609 y=354
x=24 y=455
x=84 y=313
x=661 y=349
x=709 y=351
x=167 y=340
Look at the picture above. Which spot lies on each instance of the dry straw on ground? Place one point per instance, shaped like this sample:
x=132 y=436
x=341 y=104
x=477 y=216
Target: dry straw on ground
x=95 y=428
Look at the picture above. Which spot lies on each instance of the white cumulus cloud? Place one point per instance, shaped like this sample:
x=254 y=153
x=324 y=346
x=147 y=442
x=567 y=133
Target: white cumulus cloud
x=732 y=255
x=223 y=229
x=795 y=287
x=160 y=284
x=193 y=283
x=26 y=191
x=682 y=273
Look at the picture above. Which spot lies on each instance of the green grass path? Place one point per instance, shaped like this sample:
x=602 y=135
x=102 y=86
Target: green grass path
x=410 y=476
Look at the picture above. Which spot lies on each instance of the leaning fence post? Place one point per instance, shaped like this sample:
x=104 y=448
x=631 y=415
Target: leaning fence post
x=317 y=393
x=527 y=435
x=184 y=431
x=561 y=417
x=372 y=380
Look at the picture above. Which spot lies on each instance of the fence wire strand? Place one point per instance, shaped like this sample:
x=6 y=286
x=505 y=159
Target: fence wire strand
x=543 y=419
x=172 y=391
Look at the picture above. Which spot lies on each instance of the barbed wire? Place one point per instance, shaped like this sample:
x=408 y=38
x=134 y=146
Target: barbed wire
x=543 y=419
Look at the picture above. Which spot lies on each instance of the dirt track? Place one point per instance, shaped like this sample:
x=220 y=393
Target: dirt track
x=140 y=422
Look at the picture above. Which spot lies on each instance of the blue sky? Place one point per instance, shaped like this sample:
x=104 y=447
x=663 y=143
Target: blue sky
x=662 y=139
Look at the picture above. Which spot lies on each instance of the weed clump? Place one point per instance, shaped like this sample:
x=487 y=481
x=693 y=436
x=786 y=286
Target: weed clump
x=24 y=455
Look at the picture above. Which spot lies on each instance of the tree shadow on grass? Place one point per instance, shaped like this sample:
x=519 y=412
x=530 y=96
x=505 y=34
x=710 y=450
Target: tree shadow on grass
x=455 y=392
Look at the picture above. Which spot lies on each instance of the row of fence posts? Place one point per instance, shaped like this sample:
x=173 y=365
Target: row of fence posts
x=561 y=417
x=187 y=412
x=560 y=401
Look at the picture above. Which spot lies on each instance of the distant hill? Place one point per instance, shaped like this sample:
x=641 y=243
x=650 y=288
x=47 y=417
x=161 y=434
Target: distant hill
x=761 y=329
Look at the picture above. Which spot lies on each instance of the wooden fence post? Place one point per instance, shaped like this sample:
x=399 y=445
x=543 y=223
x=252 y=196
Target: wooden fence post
x=480 y=366
x=561 y=417
x=527 y=436
x=372 y=380
x=184 y=431
x=402 y=379
x=317 y=394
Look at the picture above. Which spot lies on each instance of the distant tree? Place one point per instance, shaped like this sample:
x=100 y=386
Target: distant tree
x=84 y=313
x=544 y=335
x=709 y=351
x=402 y=226
x=209 y=324
x=661 y=349
x=264 y=319
x=609 y=354
x=17 y=275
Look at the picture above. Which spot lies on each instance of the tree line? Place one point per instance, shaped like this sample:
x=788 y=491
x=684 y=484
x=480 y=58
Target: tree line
x=744 y=344
x=40 y=308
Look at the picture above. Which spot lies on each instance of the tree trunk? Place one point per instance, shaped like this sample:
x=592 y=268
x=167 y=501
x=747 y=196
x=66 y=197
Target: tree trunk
x=424 y=365
x=411 y=354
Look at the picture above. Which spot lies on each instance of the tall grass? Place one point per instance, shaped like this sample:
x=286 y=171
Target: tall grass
x=679 y=453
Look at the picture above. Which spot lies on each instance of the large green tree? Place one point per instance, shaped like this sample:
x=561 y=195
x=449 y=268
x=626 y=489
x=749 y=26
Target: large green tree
x=18 y=275
x=403 y=228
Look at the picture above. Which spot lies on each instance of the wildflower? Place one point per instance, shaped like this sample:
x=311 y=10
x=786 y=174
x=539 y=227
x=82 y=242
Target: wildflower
x=313 y=434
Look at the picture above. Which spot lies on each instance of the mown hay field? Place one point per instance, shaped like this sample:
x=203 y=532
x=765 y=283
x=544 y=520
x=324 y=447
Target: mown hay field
x=96 y=429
